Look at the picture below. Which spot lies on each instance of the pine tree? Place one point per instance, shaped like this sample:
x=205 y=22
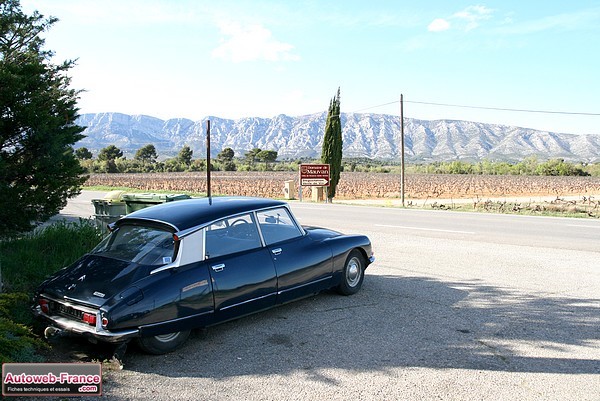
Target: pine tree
x=331 y=152
x=267 y=156
x=146 y=154
x=111 y=152
x=38 y=167
x=83 y=153
x=185 y=155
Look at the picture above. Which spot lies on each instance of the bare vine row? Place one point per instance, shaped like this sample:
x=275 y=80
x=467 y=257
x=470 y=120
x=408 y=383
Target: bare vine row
x=357 y=185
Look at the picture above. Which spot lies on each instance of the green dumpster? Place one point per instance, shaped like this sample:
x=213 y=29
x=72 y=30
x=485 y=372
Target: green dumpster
x=109 y=209
x=135 y=201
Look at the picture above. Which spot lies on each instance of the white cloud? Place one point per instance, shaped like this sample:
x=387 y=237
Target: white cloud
x=472 y=15
x=438 y=25
x=253 y=42
x=467 y=19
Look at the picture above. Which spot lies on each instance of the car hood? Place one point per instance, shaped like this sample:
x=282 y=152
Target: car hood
x=93 y=279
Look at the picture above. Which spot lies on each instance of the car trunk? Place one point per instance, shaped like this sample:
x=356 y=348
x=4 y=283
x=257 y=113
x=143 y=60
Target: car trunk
x=94 y=279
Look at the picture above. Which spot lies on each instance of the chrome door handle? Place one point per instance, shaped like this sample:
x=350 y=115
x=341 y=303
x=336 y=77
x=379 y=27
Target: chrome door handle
x=276 y=251
x=219 y=267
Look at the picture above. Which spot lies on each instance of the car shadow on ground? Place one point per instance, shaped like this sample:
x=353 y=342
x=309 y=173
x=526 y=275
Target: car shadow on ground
x=394 y=322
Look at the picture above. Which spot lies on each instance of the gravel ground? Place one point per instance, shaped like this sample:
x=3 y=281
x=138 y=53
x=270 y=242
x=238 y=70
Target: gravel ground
x=448 y=317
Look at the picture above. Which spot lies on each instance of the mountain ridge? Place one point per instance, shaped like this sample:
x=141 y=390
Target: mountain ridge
x=374 y=136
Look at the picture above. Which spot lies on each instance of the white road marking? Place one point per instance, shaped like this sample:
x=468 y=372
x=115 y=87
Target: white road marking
x=426 y=229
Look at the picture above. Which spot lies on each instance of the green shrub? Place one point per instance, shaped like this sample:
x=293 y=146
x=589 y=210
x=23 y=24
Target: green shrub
x=26 y=261
x=17 y=342
x=15 y=305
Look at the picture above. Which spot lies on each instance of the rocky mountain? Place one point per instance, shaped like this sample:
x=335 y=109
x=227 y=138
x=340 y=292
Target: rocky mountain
x=375 y=136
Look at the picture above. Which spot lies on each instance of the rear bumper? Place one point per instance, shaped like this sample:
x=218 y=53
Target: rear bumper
x=64 y=326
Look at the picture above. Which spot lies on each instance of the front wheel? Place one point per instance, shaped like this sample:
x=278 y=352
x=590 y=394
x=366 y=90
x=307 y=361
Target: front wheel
x=353 y=274
x=164 y=343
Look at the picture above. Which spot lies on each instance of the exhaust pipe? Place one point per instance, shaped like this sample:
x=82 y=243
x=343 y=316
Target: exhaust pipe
x=52 y=332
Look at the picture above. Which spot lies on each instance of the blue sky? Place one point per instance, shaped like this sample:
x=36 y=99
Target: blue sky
x=233 y=59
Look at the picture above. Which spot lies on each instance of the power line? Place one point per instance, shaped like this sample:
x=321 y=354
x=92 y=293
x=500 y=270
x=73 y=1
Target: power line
x=506 y=109
x=483 y=108
x=374 y=107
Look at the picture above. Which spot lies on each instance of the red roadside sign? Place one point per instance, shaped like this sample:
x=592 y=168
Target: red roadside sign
x=314 y=175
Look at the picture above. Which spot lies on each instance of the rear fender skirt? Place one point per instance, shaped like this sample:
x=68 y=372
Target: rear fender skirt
x=186 y=323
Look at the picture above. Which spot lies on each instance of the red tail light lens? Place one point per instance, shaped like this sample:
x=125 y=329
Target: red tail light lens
x=44 y=305
x=89 y=319
x=104 y=321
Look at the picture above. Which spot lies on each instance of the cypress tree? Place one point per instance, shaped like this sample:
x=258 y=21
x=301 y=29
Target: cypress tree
x=331 y=152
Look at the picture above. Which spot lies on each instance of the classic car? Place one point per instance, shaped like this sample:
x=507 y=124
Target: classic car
x=174 y=267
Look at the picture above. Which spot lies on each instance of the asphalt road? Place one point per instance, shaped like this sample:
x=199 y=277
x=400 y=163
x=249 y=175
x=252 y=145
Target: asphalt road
x=457 y=306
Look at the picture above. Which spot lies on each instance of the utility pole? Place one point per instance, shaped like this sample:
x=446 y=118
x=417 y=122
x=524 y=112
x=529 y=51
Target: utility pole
x=208 y=158
x=402 y=148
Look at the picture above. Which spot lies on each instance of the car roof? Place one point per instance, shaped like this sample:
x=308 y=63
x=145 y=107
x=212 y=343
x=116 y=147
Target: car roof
x=190 y=213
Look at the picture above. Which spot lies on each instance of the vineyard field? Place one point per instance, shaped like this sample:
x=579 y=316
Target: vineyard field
x=359 y=185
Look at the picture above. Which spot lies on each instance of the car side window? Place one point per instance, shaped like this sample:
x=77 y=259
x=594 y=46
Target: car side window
x=231 y=235
x=277 y=225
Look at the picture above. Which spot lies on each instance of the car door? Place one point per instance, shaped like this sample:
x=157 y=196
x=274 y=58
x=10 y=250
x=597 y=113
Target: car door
x=241 y=270
x=303 y=266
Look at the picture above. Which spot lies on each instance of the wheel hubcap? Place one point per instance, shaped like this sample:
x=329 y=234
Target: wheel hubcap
x=167 y=337
x=353 y=272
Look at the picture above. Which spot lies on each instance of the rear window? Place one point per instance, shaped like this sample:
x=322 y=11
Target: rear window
x=139 y=244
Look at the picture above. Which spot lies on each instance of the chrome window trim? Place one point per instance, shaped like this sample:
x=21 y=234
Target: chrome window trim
x=189 y=231
x=184 y=233
x=260 y=233
x=254 y=213
x=165 y=267
x=202 y=227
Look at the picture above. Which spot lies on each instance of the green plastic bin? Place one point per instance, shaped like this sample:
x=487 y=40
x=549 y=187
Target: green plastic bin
x=109 y=209
x=135 y=201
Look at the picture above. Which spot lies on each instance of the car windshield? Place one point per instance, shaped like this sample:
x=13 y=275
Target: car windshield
x=138 y=244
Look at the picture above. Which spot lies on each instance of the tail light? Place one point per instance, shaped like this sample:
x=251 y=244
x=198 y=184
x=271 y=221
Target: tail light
x=104 y=321
x=89 y=319
x=44 y=305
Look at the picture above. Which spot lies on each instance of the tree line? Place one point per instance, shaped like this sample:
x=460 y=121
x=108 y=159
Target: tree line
x=112 y=160
x=528 y=166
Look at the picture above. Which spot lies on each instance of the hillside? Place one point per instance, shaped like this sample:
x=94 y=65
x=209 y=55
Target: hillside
x=375 y=136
